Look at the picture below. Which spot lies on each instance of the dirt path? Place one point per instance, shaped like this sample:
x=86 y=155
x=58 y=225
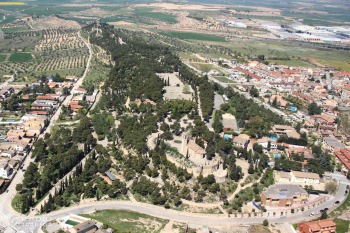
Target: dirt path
x=169 y=228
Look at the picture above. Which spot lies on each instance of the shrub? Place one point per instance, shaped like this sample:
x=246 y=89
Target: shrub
x=265 y=223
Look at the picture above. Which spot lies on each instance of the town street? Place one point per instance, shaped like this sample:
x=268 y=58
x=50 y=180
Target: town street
x=7 y=213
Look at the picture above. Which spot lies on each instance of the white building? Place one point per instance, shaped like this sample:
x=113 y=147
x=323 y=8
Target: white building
x=5 y=169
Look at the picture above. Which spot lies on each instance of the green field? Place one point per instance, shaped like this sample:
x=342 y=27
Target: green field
x=46 y=11
x=2 y=57
x=9 y=30
x=155 y=15
x=8 y=19
x=117 y=18
x=128 y=221
x=20 y=57
x=223 y=79
x=193 y=36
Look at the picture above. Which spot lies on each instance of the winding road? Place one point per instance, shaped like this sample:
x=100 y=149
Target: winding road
x=15 y=222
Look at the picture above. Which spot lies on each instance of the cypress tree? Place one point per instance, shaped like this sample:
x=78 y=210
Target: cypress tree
x=97 y=195
x=168 y=81
x=38 y=194
x=50 y=198
x=47 y=208
x=85 y=149
x=251 y=168
x=23 y=210
x=41 y=209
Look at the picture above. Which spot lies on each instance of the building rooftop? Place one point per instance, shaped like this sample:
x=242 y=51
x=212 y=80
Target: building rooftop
x=306 y=175
x=84 y=225
x=333 y=142
x=110 y=175
x=284 y=191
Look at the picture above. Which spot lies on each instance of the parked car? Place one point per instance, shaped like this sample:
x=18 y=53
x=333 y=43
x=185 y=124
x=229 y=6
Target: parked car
x=337 y=202
x=321 y=211
x=317 y=212
x=325 y=209
x=312 y=214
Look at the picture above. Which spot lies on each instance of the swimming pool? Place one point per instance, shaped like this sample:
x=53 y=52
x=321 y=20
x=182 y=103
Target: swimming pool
x=293 y=108
x=277 y=156
x=227 y=137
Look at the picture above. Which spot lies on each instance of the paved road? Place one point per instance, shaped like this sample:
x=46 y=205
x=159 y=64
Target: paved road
x=176 y=216
x=6 y=83
x=7 y=214
x=218 y=100
x=76 y=85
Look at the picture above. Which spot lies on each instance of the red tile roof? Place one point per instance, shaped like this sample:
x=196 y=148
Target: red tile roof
x=248 y=73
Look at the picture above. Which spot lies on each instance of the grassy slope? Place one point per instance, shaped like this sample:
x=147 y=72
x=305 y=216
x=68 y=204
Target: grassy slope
x=127 y=221
x=342 y=225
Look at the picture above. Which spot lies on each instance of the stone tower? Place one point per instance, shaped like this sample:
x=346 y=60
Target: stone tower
x=184 y=142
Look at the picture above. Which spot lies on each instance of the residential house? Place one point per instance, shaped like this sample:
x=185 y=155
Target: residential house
x=241 y=140
x=264 y=142
x=88 y=226
x=330 y=102
x=72 y=78
x=285 y=130
x=79 y=91
x=5 y=169
x=8 y=153
x=307 y=153
x=320 y=226
x=21 y=146
x=50 y=78
x=283 y=195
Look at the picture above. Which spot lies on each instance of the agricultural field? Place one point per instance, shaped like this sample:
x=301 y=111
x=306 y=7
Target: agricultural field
x=194 y=36
x=15 y=29
x=20 y=57
x=99 y=69
x=128 y=221
x=322 y=54
x=155 y=15
x=48 y=51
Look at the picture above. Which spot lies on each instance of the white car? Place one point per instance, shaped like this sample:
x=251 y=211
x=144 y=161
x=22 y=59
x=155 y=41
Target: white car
x=318 y=212
x=312 y=214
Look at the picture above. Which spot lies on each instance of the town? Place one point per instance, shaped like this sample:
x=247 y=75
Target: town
x=132 y=129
